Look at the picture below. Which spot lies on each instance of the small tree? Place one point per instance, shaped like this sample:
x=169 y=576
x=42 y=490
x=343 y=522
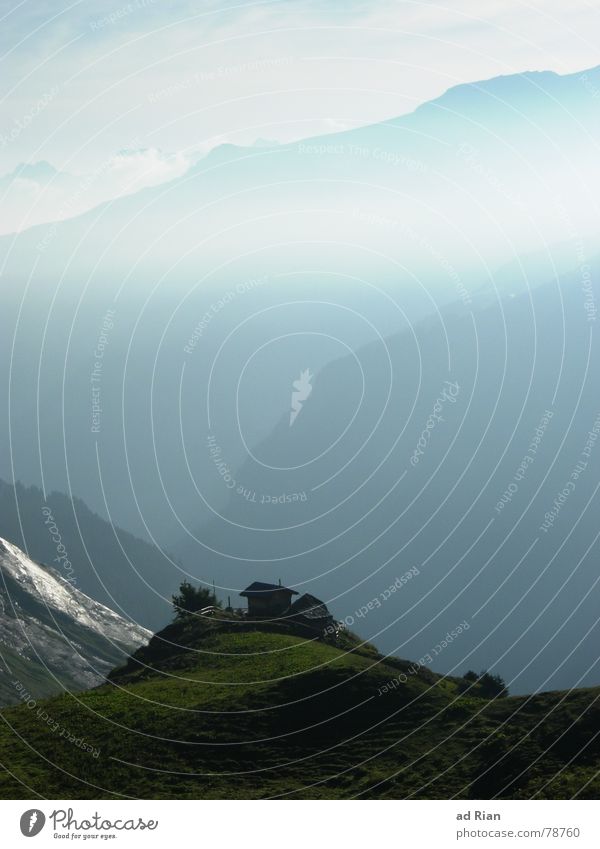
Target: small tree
x=492 y=686
x=191 y=599
x=485 y=684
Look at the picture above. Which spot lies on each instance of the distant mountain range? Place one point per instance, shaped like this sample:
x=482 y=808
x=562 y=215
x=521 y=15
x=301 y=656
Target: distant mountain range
x=425 y=209
x=52 y=636
x=458 y=243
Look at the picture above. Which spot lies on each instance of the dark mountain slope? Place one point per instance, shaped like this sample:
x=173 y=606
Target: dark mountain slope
x=102 y=560
x=374 y=508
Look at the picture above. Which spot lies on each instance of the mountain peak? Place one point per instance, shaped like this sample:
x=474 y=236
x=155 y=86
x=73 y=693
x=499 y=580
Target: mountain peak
x=40 y=170
x=509 y=88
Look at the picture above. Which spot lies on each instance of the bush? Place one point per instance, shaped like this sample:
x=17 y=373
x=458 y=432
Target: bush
x=192 y=599
x=486 y=684
x=492 y=685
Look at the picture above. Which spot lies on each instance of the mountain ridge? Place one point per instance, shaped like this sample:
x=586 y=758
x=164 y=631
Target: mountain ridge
x=53 y=636
x=221 y=153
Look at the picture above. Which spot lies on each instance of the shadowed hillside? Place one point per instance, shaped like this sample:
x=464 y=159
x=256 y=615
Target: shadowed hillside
x=231 y=708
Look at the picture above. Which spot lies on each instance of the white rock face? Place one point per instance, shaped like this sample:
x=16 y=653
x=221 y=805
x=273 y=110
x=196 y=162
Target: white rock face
x=52 y=636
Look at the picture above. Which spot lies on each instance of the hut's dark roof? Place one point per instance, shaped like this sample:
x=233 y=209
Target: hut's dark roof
x=258 y=588
x=310 y=607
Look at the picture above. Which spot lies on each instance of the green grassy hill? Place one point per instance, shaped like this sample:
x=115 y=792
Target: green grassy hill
x=242 y=710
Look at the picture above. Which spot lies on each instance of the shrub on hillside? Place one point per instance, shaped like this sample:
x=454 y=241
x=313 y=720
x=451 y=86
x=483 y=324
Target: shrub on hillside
x=485 y=684
x=192 y=599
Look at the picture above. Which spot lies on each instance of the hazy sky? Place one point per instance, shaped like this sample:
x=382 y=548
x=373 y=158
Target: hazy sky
x=81 y=80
